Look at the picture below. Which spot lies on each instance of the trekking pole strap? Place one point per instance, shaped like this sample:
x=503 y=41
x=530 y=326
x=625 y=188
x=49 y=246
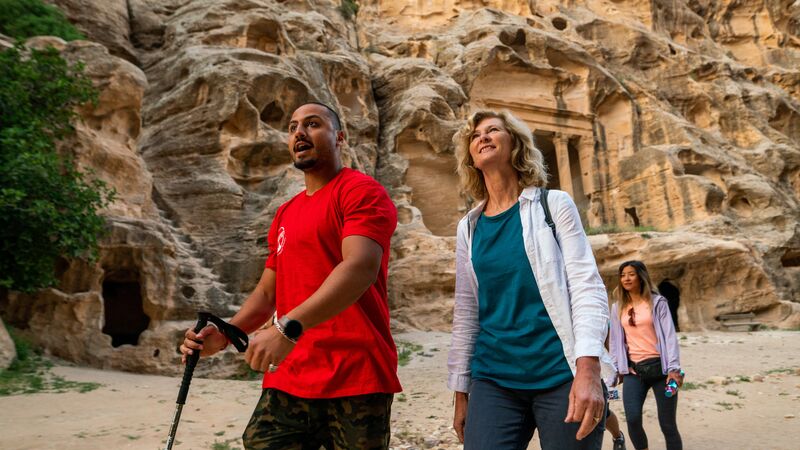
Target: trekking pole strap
x=235 y=336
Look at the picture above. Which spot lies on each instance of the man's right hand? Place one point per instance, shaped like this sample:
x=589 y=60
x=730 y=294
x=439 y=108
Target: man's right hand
x=460 y=415
x=208 y=341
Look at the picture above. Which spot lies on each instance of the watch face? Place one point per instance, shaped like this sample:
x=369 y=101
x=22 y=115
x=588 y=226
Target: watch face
x=292 y=328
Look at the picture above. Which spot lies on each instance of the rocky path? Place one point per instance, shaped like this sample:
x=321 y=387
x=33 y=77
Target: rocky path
x=743 y=392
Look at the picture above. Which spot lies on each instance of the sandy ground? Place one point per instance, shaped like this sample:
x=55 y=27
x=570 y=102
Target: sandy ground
x=757 y=408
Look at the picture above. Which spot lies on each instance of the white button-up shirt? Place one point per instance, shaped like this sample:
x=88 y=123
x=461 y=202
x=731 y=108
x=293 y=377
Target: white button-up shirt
x=565 y=271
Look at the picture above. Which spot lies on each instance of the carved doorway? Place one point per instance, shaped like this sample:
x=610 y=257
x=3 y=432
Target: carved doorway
x=124 y=316
x=673 y=296
x=544 y=142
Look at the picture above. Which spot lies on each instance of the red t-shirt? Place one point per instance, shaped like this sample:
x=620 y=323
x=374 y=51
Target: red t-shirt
x=353 y=353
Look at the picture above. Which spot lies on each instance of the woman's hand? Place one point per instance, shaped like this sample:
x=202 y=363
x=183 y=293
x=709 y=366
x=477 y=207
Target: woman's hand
x=675 y=375
x=460 y=414
x=587 y=403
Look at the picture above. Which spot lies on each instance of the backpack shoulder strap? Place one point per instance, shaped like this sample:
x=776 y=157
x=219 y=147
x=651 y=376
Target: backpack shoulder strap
x=547 y=217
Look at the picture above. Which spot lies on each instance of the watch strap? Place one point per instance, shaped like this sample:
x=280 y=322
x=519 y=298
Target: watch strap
x=278 y=325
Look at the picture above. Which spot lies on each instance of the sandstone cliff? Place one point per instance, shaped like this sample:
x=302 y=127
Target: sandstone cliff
x=682 y=117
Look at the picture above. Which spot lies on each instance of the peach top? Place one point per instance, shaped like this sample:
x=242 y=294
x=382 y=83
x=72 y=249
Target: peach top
x=641 y=339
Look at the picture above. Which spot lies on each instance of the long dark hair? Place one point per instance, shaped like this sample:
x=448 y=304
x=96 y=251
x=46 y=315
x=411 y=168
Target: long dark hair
x=623 y=298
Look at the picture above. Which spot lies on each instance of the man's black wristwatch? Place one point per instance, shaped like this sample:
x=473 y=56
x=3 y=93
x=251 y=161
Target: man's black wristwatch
x=291 y=329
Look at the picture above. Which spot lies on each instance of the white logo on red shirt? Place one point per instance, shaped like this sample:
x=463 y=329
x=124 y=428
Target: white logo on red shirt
x=281 y=239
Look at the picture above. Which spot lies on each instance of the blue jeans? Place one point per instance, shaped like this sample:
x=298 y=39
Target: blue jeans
x=634 y=392
x=499 y=418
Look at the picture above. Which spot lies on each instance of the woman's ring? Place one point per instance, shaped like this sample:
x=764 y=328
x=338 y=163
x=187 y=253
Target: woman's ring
x=272 y=368
x=597 y=419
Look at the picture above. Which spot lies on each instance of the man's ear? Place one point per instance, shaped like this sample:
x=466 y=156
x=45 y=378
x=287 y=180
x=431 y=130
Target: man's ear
x=340 y=138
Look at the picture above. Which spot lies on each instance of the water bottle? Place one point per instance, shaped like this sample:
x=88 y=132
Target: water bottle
x=671 y=389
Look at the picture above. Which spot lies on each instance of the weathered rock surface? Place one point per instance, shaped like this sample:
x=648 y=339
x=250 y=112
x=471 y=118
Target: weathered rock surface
x=8 y=351
x=107 y=22
x=723 y=275
x=681 y=117
x=221 y=93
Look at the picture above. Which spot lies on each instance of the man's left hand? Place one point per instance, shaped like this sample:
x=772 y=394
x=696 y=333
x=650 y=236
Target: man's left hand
x=586 y=402
x=267 y=347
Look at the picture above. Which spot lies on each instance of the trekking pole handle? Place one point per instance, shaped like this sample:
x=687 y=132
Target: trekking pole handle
x=191 y=362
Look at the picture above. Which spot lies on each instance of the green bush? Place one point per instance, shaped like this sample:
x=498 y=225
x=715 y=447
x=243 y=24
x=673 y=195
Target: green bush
x=22 y=19
x=613 y=229
x=48 y=208
x=348 y=8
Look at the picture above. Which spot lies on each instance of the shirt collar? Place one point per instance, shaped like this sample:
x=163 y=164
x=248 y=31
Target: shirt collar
x=529 y=193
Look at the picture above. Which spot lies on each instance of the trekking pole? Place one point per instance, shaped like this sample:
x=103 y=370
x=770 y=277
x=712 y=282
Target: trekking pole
x=237 y=337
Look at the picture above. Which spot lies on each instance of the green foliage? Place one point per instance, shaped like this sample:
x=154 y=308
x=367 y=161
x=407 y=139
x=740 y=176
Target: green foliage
x=348 y=8
x=38 y=95
x=26 y=18
x=405 y=350
x=613 y=229
x=728 y=406
x=48 y=208
x=372 y=48
x=224 y=445
x=689 y=386
x=603 y=229
x=30 y=373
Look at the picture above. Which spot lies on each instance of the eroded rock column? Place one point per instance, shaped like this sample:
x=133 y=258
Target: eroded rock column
x=561 y=143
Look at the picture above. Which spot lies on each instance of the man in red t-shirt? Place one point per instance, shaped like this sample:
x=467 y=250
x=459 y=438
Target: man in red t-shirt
x=330 y=361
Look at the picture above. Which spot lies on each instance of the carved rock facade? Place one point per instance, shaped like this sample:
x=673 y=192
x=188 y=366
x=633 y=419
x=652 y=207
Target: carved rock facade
x=684 y=118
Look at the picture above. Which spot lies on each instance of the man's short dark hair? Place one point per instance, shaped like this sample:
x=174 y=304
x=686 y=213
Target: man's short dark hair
x=337 y=123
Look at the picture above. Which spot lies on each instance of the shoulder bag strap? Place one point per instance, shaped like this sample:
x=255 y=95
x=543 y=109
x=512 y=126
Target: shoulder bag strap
x=547 y=217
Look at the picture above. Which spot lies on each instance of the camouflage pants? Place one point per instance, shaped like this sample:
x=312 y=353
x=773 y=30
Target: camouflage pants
x=283 y=421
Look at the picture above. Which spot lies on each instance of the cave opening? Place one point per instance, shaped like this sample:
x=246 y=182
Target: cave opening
x=631 y=212
x=791 y=258
x=673 y=296
x=559 y=23
x=272 y=115
x=124 y=316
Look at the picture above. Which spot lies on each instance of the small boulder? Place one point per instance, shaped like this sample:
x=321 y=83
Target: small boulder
x=722 y=381
x=8 y=352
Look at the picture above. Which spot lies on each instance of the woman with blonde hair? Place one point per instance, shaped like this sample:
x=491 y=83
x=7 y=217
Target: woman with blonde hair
x=530 y=315
x=646 y=353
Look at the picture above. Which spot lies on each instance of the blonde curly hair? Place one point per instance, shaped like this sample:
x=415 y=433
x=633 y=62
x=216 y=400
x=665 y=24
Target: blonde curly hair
x=526 y=159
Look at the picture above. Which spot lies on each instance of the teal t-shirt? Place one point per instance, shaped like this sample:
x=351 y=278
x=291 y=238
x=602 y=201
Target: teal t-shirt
x=517 y=346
